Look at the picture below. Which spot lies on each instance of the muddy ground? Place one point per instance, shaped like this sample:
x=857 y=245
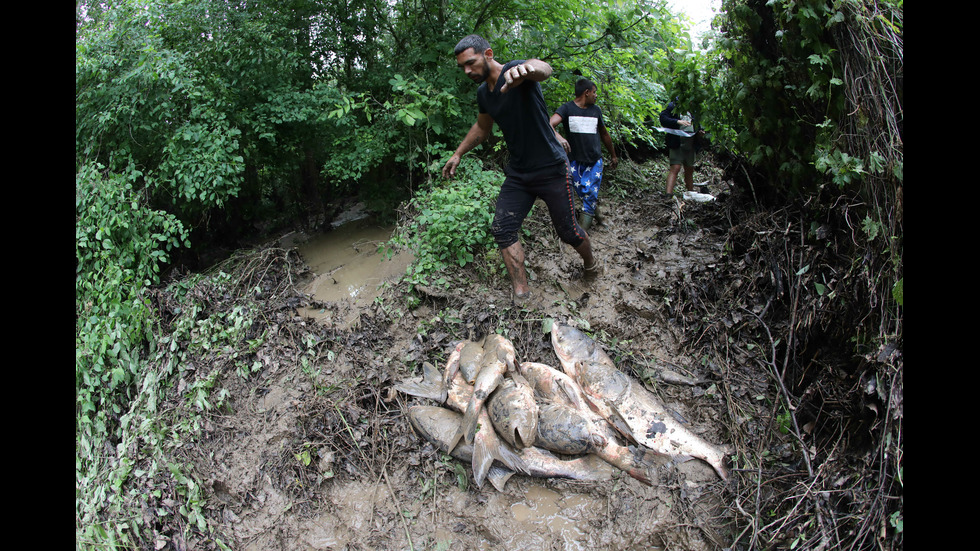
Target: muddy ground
x=313 y=451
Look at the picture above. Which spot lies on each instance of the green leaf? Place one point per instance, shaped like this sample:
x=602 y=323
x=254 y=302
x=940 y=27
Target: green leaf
x=547 y=324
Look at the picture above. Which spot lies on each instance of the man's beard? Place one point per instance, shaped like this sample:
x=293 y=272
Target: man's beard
x=480 y=77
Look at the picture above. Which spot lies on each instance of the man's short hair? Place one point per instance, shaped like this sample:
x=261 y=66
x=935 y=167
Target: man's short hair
x=475 y=41
x=582 y=86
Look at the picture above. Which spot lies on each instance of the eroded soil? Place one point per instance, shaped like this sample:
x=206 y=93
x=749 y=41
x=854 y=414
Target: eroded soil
x=313 y=451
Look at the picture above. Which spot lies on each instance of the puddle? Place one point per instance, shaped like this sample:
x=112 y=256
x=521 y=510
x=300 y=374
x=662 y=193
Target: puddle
x=545 y=511
x=348 y=266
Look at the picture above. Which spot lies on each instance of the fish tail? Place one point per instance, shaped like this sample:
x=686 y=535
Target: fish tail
x=498 y=476
x=482 y=460
x=429 y=387
x=719 y=466
x=454 y=441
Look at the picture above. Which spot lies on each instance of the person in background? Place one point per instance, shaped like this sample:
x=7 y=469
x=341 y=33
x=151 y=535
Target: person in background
x=510 y=95
x=583 y=122
x=681 y=150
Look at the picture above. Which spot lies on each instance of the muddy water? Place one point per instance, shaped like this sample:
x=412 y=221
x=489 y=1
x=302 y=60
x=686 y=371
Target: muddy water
x=348 y=266
x=545 y=515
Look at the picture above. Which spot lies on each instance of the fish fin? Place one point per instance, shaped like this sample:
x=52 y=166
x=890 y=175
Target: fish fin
x=619 y=423
x=498 y=476
x=643 y=464
x=645 y=456
x=482 y=460
x=519 y=379
x=526 y=436
x=508 y=457
x=640 y=474
x=573 y=397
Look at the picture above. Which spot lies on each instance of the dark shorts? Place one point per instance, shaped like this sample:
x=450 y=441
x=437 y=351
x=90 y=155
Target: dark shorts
x=553 y=185
x=682 y=156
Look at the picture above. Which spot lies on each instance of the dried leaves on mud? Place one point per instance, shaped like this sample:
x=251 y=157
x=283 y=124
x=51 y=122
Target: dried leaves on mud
x=310 y=449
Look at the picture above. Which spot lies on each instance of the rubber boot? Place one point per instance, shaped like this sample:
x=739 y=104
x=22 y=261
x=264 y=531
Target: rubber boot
x=597 y=216
x=585 y=221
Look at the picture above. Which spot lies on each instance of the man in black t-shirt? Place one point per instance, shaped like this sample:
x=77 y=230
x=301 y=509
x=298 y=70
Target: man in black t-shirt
x=583 y=122
x=510 y=95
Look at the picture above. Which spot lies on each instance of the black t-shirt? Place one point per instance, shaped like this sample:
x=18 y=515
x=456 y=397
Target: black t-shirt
x=523 y=117
x=582 y=126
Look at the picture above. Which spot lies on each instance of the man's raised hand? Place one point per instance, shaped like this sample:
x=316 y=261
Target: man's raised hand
x=514 y=76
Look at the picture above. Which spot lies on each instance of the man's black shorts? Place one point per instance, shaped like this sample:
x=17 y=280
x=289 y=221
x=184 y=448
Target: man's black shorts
x=553 y=185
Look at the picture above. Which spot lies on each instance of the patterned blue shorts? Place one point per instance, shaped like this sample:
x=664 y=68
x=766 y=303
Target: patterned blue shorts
x=586 y=180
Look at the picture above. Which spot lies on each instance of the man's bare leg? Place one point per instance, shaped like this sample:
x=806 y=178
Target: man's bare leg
x=689 y=177
x=672 y=178
x=514 y=260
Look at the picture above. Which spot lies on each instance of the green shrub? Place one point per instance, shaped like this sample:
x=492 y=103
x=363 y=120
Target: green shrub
x=451 y=222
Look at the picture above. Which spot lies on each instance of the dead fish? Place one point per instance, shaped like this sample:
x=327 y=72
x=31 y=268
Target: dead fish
x=649 y=421
x=491 y=375
x=572 y=345
x=514 y=413
x=555 y=385
x=452 y=364
x=551 y=384
x=487 y=446
x=564 y=429
x=672 y=377
x=470 y=358
x=438 y=426
x=497 y=347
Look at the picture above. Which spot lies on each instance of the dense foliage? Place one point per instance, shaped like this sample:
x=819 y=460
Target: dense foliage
x=200 y=120
x=808 y=94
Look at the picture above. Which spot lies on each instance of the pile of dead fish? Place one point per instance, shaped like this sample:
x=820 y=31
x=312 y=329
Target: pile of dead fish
x=506 y=417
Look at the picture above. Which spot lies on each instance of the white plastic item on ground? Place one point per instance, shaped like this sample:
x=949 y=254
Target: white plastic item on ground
x=699 y=197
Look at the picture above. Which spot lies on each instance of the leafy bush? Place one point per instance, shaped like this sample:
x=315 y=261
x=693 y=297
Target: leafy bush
x=120 y=247
x=451 y=222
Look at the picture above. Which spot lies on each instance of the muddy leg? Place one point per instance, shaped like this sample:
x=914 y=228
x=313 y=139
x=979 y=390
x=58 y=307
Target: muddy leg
x=514 y=260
